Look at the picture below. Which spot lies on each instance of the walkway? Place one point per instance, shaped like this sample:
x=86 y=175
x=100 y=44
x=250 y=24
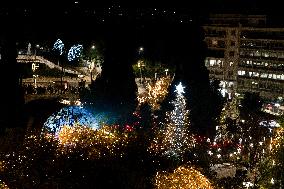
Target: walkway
x=41 y=60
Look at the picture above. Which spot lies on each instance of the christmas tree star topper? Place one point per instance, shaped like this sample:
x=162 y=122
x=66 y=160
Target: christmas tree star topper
x=179 y=88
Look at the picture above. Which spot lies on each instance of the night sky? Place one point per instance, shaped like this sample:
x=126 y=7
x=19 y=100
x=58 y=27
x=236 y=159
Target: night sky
x=156 y=26
x=46 y=19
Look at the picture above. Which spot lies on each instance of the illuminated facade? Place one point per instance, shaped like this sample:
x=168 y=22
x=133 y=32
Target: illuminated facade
x=245 y=54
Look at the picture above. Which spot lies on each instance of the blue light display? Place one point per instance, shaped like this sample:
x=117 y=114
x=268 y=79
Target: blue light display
x=59 y=45
x=74 y=52
x=70 y=116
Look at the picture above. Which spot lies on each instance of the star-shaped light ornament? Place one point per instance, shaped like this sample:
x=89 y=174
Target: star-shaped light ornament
x=179 y=88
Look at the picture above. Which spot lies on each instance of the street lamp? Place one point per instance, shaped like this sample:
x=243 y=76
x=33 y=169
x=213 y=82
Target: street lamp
x=166 y=70
x=140 y=62
x=141 y=49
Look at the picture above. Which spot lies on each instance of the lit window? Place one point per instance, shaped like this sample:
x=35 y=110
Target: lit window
x=214 y=42
x=249 y=62
x=263 y=75
x=255 y=74
x=281 y=55
x=240 y=72
x=250 y=74
x=257 y=53
x=212 y=62
x=231 y=63
x=219 y=63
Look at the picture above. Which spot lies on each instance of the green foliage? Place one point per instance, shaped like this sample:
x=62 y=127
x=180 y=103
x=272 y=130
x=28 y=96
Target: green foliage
x=281 y=120
x=251 y=103
x=149 y=68
x=94 y=53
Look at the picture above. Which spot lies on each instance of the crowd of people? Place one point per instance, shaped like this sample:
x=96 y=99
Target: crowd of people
x=52 y=88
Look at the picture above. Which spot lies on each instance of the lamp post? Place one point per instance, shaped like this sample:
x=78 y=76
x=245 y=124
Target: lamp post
x=37 y=47
x=141 y=49
x=140 y=62
x=62 y=72
x=59 y=48
x=92 y=64
x=139 y=66
x=34 y=67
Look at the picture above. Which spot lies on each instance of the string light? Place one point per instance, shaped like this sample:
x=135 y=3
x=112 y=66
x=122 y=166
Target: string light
x=223 y=138
x=3 y=185
x=173 y=140
x=76 y=143
x=70 y=116
x=155 y=93
x=106 y=141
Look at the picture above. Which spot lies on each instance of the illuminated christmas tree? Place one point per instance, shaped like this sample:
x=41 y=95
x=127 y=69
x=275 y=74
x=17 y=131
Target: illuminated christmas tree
x=226 y=131
x=173 y=141
x=269 y=171
x=229 y=112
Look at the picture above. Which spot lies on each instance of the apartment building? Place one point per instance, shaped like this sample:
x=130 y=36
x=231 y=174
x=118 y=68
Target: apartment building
x=245 y=54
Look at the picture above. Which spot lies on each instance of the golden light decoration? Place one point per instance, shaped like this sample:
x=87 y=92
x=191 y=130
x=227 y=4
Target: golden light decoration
x=76 y=142
x=75 y=135
x=106 y=141
x=155 y=93
x=3 y=185
x=182 y=177
x=278 y=140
